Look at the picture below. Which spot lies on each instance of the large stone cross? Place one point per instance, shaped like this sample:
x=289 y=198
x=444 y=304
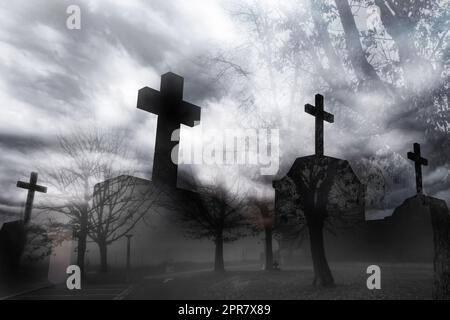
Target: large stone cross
x=418 y=162
x=32 y=187
x=172 y=111
x=321 y=115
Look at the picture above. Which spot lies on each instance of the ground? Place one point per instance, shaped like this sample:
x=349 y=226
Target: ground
x=89 y=292
x=398 y=281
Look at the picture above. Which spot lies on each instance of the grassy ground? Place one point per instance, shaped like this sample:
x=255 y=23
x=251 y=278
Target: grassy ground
x=398 y=281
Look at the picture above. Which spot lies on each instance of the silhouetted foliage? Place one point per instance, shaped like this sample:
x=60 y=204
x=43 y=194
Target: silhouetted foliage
x=215 y=211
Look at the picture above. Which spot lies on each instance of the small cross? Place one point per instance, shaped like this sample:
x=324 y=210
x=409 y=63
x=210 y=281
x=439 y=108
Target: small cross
x=31 y=187
x=320 y=115
x=418 y=162
x=172 y=111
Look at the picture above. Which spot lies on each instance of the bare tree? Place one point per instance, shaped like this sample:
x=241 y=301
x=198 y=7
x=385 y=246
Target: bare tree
x=85 y=156
x=118 y=205
x=214 y=211
x=262 y=218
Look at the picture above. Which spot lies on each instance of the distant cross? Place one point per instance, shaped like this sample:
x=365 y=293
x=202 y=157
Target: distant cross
x=31 y=187
x=172 y=111
x=321 y=115
x=419 y=162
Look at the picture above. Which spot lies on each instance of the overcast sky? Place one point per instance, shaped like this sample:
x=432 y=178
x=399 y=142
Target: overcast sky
x=53 y=78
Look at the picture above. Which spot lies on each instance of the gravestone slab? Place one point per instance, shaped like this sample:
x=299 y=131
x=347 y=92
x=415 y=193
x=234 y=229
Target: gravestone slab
x=13 y=235
x=320 y=191
x=13 y=238
x=324 y=192
x=438 y=213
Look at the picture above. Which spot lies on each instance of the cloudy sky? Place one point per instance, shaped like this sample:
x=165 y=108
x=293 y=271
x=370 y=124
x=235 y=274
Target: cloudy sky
x=53 y=79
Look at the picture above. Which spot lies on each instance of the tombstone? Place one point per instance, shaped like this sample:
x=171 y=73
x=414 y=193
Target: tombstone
x=320 y=190
x=440 y=220
x=436 y=211
x=13 y=235
x=172 y=111
x=12 y=244
x=405 y=236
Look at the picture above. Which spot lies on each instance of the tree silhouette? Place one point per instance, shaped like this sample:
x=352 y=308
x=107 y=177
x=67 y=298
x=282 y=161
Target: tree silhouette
x=322 y=192
x=86 y=157
x=118 y=205
x=262 y=218
x=215 y=211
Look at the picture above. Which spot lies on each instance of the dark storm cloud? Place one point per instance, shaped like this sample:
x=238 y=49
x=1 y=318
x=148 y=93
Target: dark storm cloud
x=24 y=144
x=8 y=202
x=78 y=54
x=44 y=92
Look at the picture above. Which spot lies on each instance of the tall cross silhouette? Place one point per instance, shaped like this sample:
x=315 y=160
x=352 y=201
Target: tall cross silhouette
x=172 y=111
x=418 y=162
x=320 y=115
x=32 y=187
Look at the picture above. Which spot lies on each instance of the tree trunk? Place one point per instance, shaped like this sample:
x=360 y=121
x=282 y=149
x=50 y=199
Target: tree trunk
x=322 y=272
x=363 y=69
x=440 y=219
x=103 y=247
x=82 y=237
x=268 y=248
x=400 y=29
x=83 y=233
x=218 y=260
x=336 y=67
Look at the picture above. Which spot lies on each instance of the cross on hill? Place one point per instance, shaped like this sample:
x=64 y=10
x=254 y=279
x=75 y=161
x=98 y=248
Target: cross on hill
x=320 y=115
x=32 y=187
x=172 y=111
x=418 y=163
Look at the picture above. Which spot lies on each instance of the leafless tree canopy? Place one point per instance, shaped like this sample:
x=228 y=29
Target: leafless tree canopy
x=88 y=157
x=118 y=205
